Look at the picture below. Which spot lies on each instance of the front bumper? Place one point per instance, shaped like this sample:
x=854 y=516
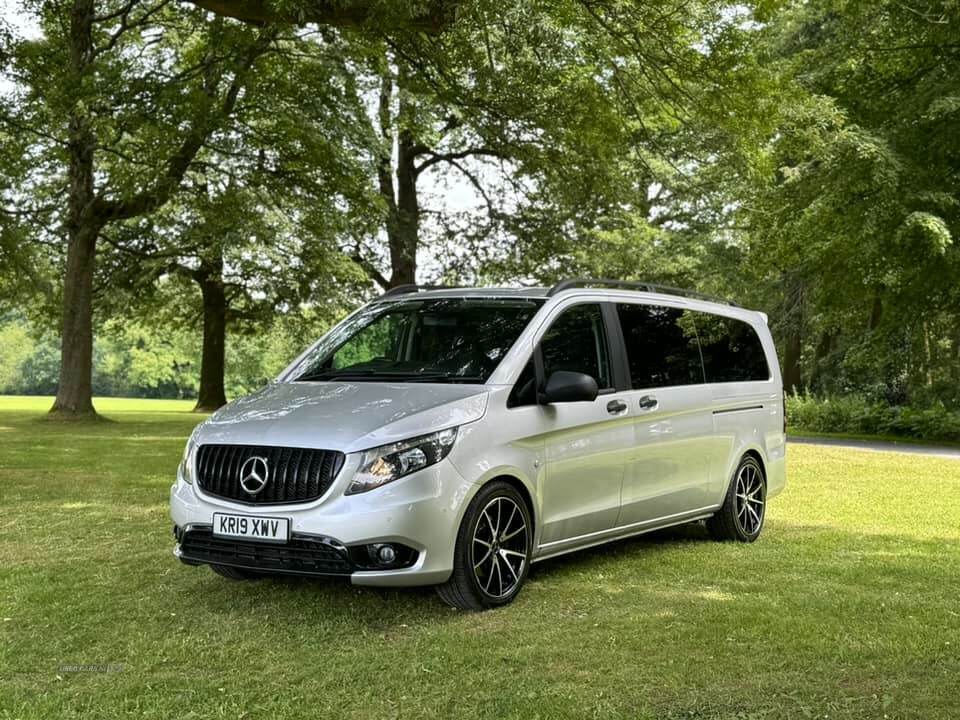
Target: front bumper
x=421 y=511
x=301 y=555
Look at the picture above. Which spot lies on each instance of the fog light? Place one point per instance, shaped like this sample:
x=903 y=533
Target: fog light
x=382 y=556
x=386 y=554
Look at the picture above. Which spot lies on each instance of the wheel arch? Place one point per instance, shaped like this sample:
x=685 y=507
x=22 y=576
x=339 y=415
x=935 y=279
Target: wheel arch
x=754 y=453
x=521 y=488
x=735 y=460
x=515 y=479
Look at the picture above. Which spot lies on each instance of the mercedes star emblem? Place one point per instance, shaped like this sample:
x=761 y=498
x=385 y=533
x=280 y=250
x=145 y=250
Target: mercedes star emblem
x=254 y=474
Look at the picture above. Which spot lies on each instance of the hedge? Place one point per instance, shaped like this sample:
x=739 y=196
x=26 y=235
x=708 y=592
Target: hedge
x=857 y=416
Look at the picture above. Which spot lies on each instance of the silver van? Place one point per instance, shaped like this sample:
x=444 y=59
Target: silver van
x=452 y=437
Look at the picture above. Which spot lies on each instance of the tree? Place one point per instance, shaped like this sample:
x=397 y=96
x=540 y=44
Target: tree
x=228 y=258
x=559 y=118
x=258 y=222
x=854 y=224
x=119 y=97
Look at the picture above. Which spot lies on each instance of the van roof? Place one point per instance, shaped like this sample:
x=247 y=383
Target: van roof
x=564 y=287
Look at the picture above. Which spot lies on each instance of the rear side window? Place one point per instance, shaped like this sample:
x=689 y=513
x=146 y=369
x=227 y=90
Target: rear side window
x=661 y=346
x=732 y=352
x=577 y=342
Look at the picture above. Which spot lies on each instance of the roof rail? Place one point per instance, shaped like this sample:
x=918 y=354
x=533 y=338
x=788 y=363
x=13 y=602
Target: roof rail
x=632 y=285
x=411 y=288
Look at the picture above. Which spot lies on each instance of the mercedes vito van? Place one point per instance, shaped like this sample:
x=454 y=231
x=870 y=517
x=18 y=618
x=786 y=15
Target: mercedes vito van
x=452 y=437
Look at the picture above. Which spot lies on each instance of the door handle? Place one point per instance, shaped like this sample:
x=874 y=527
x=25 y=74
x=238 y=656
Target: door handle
x=647 y=402
x=615 y=407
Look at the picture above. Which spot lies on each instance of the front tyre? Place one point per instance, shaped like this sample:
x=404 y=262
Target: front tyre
x=492 y=555
x=744 y=508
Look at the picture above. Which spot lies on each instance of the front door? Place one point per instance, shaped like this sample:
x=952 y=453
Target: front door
x=585 y=443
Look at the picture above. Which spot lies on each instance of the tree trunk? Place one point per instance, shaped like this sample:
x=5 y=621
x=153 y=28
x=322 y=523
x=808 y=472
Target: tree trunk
x=403 y=208
x=792 y=369
x=213 y=361
x=822 y=352
x=876 y=312
x=406 y=231
x=955 y=354
x=793 y=347
x=75 y=389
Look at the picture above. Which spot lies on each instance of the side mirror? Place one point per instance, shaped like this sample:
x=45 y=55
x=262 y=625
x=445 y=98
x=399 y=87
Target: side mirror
x=565 y=386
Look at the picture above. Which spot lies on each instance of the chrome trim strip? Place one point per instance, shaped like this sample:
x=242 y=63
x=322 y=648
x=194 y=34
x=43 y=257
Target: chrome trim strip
x=615 y=538
x=621 y=528
x=738 y=409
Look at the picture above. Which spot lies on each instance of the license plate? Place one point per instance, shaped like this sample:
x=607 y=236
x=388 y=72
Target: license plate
x=250 y=527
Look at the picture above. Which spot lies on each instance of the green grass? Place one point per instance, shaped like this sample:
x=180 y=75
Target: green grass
x=846 y=608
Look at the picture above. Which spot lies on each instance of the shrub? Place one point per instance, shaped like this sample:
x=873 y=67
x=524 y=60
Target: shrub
x=858 y=416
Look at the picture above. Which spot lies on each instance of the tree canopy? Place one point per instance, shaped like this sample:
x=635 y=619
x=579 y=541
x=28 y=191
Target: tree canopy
x=236 y=167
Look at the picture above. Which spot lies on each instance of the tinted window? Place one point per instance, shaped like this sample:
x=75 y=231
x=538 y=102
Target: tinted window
x=576 y=341
x=524 y=390
x=731 y=349
x=661 y=346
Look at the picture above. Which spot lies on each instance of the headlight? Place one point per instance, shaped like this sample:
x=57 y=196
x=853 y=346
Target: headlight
x=385 y=464
x=187 y=463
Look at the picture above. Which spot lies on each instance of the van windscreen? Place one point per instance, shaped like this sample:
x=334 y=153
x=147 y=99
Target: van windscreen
x=425 y=340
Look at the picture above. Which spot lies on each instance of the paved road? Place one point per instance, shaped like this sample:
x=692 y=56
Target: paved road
x=880 y=446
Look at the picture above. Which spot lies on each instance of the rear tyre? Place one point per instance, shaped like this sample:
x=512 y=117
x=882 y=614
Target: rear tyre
x=492 y=555
x=744 y=508
x=233 y=573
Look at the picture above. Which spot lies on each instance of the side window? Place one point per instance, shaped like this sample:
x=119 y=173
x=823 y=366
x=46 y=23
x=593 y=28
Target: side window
x=662 y=348
x=732 y=351
x=524 y=391
x=577 y=342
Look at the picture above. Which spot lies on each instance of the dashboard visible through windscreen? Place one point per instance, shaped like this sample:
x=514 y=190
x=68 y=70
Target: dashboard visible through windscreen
x=424 y=340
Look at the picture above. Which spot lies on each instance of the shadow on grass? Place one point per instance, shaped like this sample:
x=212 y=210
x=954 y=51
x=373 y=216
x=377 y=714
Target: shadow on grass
x=804 y=560
x=340 y=596
x=658 y=541
x=53 y=417
x=320 y=599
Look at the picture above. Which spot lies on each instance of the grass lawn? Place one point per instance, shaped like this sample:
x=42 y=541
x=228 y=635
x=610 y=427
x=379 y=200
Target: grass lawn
x=847 y=607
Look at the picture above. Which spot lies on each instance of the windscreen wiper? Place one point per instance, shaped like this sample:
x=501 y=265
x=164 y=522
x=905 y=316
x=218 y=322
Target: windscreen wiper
x=333 y=373
x=347 y=373
x=446 y=377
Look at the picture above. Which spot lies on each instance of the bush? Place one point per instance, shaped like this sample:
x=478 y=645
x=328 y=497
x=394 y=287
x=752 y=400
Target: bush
x=857 y=416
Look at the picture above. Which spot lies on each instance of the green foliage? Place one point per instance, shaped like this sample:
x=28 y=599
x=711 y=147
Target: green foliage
x=133 y=358
x=254 y=359
x=856 y=416
x=377 y=340
x=851 y=231
x=799 y=156
x=16 y=346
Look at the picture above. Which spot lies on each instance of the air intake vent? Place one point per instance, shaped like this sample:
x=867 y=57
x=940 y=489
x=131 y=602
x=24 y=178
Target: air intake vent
x=293 y=475
x=302 y=555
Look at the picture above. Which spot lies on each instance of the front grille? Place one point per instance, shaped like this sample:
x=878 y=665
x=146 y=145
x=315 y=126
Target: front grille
x=294 y=474
x=302 y=555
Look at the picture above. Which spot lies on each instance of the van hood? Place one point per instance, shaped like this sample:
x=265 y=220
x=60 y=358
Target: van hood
x=345 y=416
